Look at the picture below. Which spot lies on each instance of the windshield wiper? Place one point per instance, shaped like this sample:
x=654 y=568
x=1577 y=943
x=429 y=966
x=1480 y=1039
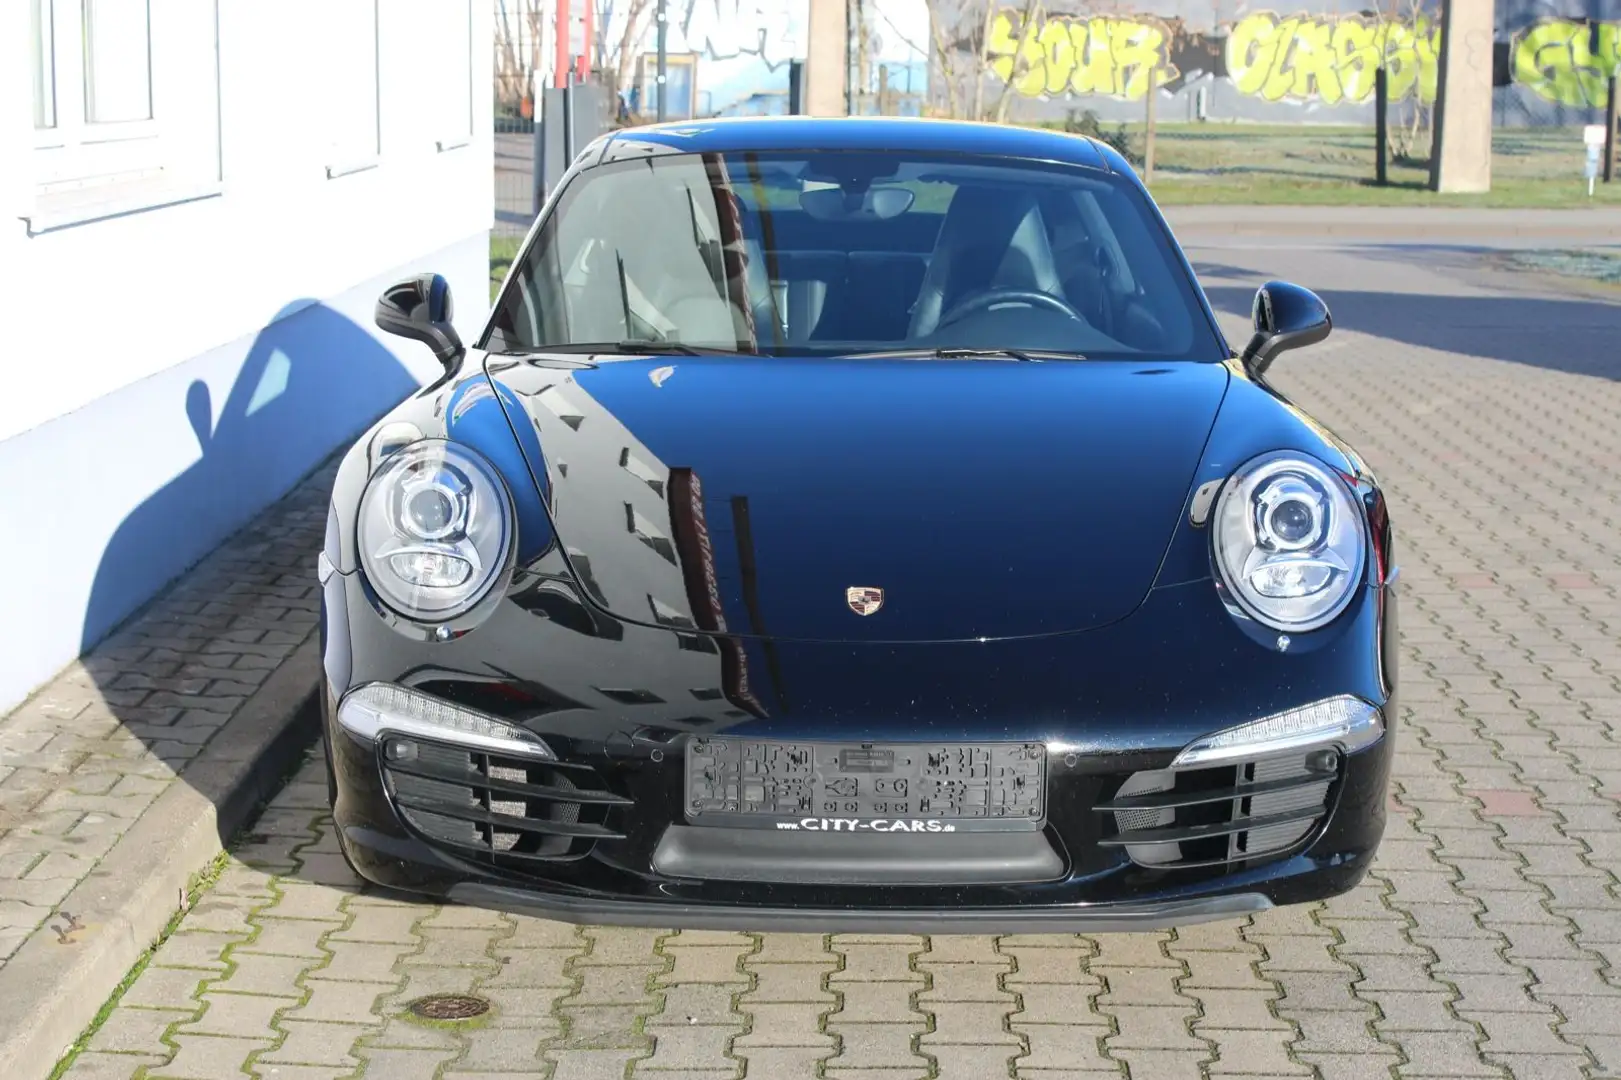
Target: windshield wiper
x=651 y=346
x=985 y=354
x=1029 y=356
x=635 y=347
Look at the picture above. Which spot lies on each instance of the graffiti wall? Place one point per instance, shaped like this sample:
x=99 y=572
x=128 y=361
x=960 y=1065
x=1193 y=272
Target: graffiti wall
x=1276 y=60
x=731 y=57
x=1551 y=59
x=742 y=49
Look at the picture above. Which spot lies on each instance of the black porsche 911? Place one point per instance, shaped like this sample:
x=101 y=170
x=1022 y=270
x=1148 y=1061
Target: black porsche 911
x=857 y=524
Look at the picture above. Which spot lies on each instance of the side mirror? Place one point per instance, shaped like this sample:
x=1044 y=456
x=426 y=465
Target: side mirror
x=419 y=308
x=1286 y=317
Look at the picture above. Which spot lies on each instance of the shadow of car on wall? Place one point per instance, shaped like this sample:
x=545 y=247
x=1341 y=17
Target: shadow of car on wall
x=311 y=381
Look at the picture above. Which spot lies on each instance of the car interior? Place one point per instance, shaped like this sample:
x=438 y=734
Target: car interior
x=921 y=277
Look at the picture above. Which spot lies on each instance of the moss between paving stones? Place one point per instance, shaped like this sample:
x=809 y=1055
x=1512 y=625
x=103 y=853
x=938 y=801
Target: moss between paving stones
x=201 y=882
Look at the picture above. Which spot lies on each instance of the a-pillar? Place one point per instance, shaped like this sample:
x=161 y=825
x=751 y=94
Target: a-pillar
x=827 y=58
x=1461 y=159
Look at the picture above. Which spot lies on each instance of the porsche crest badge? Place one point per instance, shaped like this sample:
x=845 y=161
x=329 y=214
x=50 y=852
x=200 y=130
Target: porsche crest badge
x=864 y=599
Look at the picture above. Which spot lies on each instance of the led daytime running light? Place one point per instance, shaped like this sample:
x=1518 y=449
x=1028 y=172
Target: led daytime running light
x=1346 y=722
x=379 y=709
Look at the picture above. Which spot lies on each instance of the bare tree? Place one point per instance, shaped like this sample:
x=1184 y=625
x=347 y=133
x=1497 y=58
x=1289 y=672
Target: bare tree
x=1409 y=141
x=519 y=30
x=617 y=54
x=1021 y=64
x=520 y=34
x=946 y=56
x=962 y=60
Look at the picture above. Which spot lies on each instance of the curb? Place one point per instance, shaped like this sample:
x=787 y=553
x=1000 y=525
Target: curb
x=54 y=986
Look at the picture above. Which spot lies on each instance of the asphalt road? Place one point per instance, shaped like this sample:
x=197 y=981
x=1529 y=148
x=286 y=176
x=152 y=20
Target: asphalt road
x=1483 y=944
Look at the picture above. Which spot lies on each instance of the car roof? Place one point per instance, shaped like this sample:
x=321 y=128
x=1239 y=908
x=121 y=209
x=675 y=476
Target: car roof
x=905 y=134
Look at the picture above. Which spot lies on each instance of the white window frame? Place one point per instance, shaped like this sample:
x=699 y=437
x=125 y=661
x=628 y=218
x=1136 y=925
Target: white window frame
x=84 y=171
x=77 y=152
x=348 y=160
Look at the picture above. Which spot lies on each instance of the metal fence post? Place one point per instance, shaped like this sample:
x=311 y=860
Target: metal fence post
x=538 y=180
x=1148 y=137
x=1381 y=121
x=1611 y=121
x=663 y=18
x=568 y=120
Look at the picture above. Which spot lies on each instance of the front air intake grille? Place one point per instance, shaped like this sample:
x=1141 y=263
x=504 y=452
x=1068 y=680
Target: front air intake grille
x=1172 y=818
x=498 y=809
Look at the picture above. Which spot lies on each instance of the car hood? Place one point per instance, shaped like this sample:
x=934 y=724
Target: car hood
x=963 y=499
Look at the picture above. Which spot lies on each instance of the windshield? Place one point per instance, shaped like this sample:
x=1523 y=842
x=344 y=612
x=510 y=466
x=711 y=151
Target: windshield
x=835 y=253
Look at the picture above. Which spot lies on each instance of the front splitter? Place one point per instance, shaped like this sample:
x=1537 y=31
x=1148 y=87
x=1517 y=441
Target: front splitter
x=1090 y=919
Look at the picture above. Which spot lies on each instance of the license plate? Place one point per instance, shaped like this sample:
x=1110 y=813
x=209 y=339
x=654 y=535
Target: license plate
x=866 y=787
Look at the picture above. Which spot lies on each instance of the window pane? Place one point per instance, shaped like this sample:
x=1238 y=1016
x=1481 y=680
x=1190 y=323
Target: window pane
x=117 y=55
x=350 y=105
x=44 y=38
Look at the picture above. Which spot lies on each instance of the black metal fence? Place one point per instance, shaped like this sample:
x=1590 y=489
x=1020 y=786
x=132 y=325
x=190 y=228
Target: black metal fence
x=531 y=152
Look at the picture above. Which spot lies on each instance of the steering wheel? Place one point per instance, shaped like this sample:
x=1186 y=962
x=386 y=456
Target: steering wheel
x=988 y=298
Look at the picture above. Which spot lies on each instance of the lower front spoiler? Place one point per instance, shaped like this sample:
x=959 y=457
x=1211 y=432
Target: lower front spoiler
x=1091 y=919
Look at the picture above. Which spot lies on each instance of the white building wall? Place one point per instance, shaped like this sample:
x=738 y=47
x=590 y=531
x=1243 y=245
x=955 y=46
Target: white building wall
x=188 y=311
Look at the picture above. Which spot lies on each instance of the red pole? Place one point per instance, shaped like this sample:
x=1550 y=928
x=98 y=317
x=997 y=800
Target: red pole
x=560 y=69
x=584 y=59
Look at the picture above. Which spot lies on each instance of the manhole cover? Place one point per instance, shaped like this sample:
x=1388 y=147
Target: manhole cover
x=448 y=1007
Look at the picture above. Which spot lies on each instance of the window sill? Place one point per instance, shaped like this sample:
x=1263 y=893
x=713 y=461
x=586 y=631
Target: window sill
x=349 y=168
x=64 y=209
x=447 y=145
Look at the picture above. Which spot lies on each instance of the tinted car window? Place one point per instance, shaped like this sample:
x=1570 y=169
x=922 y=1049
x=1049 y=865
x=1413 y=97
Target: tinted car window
x=834 y=253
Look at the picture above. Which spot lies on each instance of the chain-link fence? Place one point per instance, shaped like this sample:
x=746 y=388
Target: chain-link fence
x=519 y=41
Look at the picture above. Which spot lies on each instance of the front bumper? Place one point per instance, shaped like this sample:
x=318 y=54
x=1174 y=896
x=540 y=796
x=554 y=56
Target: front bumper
x=1095 y=887
x=621 y=881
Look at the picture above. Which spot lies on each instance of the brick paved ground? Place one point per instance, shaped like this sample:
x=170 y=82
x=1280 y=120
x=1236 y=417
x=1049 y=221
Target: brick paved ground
x=1483 y=944
x=85 y=756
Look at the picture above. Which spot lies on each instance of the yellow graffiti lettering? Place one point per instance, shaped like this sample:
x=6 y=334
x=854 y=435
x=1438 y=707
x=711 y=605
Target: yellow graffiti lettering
x=1330 y=58
x=1252 y=49
x=1303 y=58
x=1280 y=81
x=1001 y=46
x=1314 y=64
x=1356 y=58
x=1095 y=73
x=1137 y=49
x=1398 y=43
x=1020 y=61
x=1106 y=55
x=1556 y=60
x=1057 y=56
x=1034 y=77
x=1428 y=47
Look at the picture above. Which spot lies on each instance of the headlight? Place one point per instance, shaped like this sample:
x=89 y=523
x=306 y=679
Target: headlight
x=1290 y=541
x=435 y=530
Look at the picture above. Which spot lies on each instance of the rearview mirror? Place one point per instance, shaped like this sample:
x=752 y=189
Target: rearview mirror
x=419 y=308
x=875 y=204
x=1286 y=317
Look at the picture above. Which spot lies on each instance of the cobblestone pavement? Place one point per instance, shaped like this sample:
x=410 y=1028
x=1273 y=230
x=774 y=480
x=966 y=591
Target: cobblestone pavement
x=1483 y=944
x=85 y=756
